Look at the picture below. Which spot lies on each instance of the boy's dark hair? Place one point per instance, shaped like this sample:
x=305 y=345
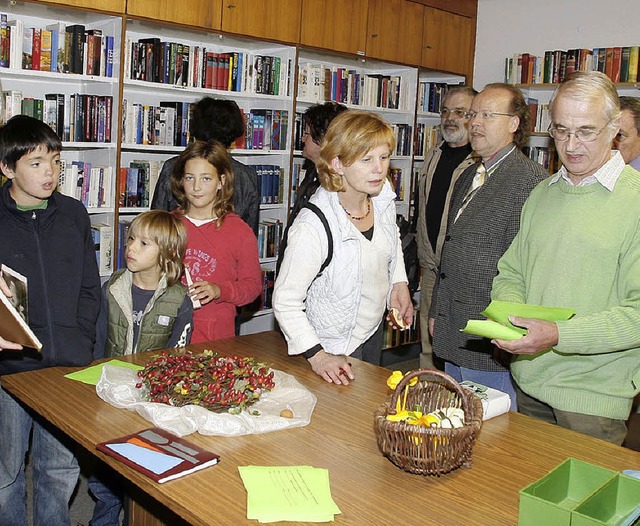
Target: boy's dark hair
x=22 y=135
x=216 y=120
x=319 y=116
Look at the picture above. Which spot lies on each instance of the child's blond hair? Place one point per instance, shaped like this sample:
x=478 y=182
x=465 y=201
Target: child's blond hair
x=168 y=232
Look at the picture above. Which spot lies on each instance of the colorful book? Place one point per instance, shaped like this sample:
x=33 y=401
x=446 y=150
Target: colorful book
x=158 y=454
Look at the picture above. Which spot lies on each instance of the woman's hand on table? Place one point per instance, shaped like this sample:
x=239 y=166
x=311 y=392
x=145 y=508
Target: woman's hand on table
x=334 y=369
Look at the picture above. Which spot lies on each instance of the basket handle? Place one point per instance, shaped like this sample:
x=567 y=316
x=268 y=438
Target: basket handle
x=433 y=372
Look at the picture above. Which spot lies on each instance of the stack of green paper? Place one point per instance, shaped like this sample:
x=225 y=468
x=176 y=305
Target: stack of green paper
x=288 y=493
x=499 y=326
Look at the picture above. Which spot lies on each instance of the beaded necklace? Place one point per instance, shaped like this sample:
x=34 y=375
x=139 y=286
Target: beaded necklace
x=358 y=218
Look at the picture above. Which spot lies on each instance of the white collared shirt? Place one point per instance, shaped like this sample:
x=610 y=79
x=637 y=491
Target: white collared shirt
x=607 y=175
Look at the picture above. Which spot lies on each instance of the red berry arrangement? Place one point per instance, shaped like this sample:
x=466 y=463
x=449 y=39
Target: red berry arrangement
x=218 y=383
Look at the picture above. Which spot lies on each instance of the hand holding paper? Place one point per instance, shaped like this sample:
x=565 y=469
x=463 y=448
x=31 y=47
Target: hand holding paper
x=499 y=326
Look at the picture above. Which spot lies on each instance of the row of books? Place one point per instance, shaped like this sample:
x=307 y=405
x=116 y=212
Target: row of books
x=90 y=184
x=394 y=337
x=404 y=138
x=545 y=156
x=265 y=129
x=74 y=117
x=319 y=83
x=619 y=63
x=56 y=47
x=269 y=236
x=163 y=125
x=152 y=60
x=540 y=115
x=431 y=95
x=102 y=235
x=123 y=232
x=268 y=280
x=426 y=137
x=397 y=183
x=137 y=183
x=270 y=183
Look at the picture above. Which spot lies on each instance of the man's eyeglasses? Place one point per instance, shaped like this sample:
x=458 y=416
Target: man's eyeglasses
x=458 y=113
x=486 y=115
x=581 y=134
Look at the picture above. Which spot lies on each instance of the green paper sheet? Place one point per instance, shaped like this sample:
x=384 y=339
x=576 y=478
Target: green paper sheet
x=498 y=325
x=288 y=493
x=91 y=375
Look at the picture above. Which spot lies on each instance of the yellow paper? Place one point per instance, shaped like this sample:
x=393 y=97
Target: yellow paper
x=288 y=493
x=498 y=325
x=91 y=375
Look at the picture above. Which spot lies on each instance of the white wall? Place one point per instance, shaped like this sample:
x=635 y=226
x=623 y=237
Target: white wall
x=506 y=27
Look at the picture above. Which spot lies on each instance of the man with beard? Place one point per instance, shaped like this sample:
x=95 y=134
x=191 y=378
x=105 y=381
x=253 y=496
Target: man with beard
x=442 y=167
x=483 y=219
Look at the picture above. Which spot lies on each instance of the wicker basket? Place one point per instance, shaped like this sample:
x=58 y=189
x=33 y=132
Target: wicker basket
x=429 y=450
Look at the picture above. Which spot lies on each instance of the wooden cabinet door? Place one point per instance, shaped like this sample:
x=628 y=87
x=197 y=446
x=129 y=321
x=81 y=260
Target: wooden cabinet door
x=115 y=6
x=338 y=25
x=394 y=30
x=272 y=19
x=449 y=42
x=198 y=13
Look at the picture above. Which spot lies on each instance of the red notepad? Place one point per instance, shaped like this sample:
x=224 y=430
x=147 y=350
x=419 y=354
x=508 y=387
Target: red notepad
x=158 y=454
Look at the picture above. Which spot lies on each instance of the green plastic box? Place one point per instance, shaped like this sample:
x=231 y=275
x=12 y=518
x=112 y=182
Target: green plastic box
x=551 y=500
x=610 y=504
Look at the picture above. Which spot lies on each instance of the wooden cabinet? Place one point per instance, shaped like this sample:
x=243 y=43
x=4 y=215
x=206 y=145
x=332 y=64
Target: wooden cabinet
x=335 y=25
x=394 y=30
x=462 y=7
x=115 y=6
x=272 y=19
x=449 y=42
x=201 y=13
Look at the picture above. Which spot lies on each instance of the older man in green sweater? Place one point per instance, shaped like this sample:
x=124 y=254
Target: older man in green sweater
x=579 y=247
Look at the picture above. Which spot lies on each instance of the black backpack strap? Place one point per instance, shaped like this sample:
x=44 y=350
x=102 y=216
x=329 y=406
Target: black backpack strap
x=325 y=223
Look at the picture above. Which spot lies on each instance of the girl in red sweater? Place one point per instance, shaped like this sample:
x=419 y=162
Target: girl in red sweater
x=222 y=250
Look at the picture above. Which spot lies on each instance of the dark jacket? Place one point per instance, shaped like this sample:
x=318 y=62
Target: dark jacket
x=54 y=249
x=246 y=197
x=472 y=247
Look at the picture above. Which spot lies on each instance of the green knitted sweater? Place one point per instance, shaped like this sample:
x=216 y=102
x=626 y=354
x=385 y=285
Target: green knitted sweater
x=579 y=247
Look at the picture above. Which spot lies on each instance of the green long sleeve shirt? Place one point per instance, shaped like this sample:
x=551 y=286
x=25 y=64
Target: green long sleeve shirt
x=579 y=247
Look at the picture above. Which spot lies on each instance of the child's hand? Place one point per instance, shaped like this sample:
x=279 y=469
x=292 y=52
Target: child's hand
x=204 y=291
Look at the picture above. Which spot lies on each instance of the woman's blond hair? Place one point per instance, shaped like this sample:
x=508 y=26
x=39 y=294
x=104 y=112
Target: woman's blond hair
x=349 y=137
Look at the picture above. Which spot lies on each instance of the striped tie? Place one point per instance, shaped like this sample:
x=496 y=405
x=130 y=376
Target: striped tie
x=478 y=180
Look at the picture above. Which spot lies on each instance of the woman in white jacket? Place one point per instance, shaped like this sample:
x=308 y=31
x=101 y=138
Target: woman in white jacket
x=338 y=313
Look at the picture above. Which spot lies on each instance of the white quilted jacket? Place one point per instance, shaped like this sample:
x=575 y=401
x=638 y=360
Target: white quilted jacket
x=323 y=311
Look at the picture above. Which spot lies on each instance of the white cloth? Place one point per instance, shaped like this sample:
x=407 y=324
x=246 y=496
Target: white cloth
x=117 y=386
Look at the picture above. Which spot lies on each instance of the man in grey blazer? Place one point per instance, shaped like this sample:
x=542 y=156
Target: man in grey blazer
x=483 y=218
x=443 y=166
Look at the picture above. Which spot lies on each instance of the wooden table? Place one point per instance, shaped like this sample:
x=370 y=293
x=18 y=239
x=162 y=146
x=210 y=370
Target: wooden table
x=511 y=451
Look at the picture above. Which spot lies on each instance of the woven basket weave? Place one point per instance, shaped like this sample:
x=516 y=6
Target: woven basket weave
x=429 y=450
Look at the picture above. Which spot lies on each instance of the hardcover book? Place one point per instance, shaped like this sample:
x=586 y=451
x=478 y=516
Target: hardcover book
x=158 y=454
x=13 y=311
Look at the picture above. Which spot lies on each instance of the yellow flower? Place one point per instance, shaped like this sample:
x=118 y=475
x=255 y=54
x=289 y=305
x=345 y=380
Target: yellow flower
x=411 y=417
x=395 y=378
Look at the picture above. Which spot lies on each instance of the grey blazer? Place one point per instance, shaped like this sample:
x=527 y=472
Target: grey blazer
x=473 y=245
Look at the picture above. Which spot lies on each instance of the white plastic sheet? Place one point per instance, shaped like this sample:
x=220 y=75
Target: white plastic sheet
x=117 y=386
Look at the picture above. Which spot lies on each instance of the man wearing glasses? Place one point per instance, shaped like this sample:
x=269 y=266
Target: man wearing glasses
x=483 y=219
x=579 y=247
x=442 y=167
